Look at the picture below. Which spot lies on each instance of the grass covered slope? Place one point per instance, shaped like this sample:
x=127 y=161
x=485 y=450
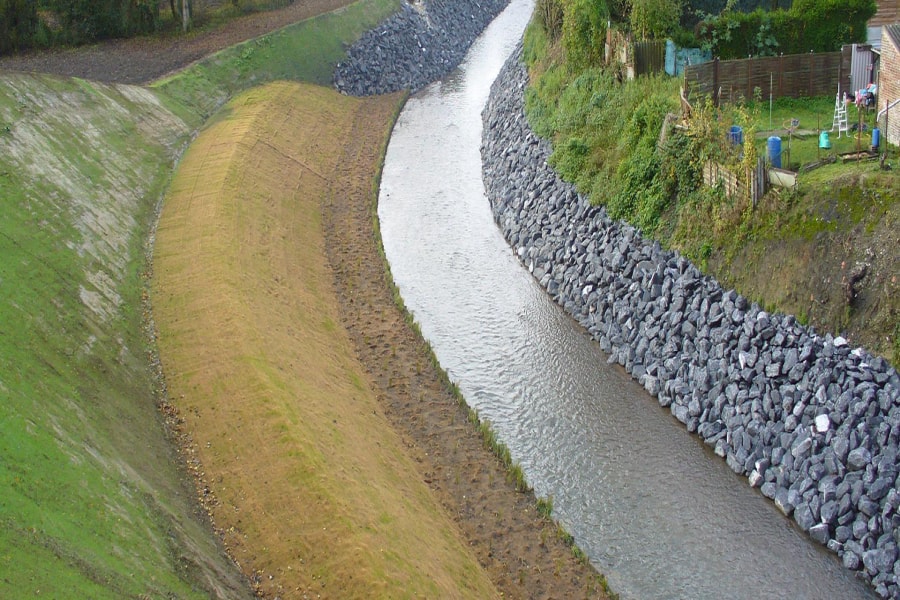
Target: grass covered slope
x=305 y=51
x=92 y=505
x=313 y=487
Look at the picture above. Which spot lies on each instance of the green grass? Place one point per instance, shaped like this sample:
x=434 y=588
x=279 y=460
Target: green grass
x=92 y=503
x=306 y=51
x=814 y=115
x=545 y=507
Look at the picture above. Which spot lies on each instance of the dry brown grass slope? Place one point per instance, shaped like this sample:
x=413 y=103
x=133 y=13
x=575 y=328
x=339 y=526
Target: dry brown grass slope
x=313 y=488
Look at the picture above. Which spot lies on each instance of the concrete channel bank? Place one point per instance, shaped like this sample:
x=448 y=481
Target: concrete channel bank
x=811 y=421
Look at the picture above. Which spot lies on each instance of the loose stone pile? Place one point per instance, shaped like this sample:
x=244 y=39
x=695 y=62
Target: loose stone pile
x=417 y=45
x=812 y=422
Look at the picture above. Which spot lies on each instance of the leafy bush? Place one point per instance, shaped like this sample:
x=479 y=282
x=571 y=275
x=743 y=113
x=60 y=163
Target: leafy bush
x=681 y=165
x=584 y=32
x=696 y=10
x=641 y=195
x=809 y=26
x=827 y=24
x=654 y=19
x=18 y=24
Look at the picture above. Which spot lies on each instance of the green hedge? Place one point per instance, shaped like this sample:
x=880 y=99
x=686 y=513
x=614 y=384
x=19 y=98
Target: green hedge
x=809 y=26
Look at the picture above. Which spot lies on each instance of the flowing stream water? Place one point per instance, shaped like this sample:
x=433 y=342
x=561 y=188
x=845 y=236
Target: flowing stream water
x=650 y=505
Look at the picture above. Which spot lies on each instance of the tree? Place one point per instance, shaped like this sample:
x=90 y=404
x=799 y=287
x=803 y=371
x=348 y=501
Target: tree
x=18 y=23
x=654 y=19
x=90 y=20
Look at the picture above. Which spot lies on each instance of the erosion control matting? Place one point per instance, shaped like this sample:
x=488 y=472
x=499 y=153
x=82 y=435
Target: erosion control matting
x=312 y=487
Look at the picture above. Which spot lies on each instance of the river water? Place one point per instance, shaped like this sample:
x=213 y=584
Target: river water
x=650 y=505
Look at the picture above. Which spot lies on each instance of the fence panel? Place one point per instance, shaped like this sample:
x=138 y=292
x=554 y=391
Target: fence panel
x=649 y=57
x=792 y=76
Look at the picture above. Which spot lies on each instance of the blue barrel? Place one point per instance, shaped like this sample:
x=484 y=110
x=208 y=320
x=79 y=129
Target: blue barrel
x=736 y=135
x=773 y=148
x=876 y=138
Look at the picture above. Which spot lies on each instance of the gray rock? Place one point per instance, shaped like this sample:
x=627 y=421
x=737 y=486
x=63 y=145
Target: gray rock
x=858 y=459
x=783 y=502
x=878 y=489
x=804 y=517
x=879 y=559
x=820 y=533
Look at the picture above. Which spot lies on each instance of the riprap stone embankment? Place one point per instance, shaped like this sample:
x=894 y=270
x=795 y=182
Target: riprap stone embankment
x=811 y=421
x=417 y=45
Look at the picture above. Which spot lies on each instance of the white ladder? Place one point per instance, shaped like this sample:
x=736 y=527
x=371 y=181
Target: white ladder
x=840 y=116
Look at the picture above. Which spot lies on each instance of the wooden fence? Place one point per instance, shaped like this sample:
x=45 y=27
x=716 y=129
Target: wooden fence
x=649 y=57
x=635 y=58
x=752 y=187
x=792 y=76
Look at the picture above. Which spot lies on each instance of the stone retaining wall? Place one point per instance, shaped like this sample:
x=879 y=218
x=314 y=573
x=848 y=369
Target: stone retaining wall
x=812 y=422
x=417 y=45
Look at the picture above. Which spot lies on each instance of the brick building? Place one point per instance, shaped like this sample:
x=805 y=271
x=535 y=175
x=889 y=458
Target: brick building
x=889 y=81
x=888 y=13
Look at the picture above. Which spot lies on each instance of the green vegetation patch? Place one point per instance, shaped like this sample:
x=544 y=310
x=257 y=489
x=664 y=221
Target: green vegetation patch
x=306 y=51
x=604 y=132
x=92 y=503
x=825 y=251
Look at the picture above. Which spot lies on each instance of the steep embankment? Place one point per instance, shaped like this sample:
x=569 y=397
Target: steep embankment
x=92 y=505
x=812 y=422
x=311 y=485
x=829 y=254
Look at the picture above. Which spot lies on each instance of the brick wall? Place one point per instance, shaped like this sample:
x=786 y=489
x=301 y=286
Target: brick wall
x=889 y=81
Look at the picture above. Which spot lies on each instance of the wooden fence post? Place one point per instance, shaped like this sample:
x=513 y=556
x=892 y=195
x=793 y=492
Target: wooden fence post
x=749 y=92
x=811 y=61
x=780 y=75
x=715 y=93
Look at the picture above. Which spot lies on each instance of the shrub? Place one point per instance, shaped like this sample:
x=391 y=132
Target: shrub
x=809 y=26
x=549 y=14
x=90 y=20
x=827 y=24
x=584 y=32
x=654 y=19
x=18 y=24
